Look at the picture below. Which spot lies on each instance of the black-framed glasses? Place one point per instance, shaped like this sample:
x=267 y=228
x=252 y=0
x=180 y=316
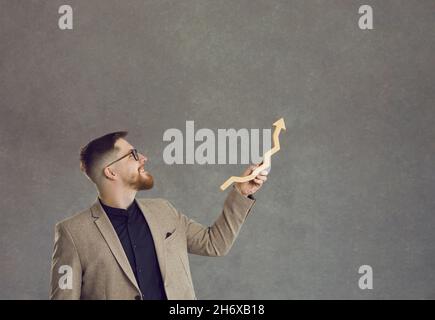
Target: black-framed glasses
x=132 y=152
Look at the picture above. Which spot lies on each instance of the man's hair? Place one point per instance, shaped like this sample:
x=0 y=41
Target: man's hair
x=96 y=150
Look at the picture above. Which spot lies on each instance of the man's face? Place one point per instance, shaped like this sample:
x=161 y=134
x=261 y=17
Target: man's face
x=131 y=172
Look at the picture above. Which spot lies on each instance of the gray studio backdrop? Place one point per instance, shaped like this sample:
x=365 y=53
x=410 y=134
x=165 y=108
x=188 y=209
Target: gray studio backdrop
x=353 y=184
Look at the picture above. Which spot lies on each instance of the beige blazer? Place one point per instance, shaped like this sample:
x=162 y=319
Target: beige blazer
x=89 y=261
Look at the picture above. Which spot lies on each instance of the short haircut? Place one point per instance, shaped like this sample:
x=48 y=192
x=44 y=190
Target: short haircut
x=96 y=150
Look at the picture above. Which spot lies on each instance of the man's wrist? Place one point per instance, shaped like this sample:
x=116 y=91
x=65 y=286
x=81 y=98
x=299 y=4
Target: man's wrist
x=250 y=196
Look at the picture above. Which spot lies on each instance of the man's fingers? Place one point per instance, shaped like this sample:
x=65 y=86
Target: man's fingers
x=258 y=181
x=254 y=166
x=251 y=169
x=261 y=177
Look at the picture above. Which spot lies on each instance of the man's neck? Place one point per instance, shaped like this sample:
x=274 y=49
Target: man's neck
x=121 y=200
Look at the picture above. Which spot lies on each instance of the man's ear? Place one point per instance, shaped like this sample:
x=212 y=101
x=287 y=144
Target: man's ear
x=109 y=174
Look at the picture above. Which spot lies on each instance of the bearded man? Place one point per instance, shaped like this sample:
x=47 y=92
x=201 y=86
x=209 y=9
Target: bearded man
x=124 y=247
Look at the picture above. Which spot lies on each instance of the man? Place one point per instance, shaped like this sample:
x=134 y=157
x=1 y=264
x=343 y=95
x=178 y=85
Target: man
x=128 y=248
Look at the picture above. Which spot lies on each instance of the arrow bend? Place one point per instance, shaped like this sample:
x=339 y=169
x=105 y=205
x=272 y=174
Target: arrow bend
x=279 y=125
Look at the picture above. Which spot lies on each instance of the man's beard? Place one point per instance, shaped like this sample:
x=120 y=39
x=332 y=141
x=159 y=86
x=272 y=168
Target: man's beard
x=142 y=181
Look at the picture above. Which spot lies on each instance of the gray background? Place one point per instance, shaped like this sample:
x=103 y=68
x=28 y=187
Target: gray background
x=354 y=183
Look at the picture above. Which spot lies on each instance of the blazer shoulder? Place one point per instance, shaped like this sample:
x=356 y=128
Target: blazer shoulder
x=152 y=200
x=76 y=220
x=159 y=204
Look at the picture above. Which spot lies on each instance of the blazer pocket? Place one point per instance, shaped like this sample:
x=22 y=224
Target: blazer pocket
x=170 y=235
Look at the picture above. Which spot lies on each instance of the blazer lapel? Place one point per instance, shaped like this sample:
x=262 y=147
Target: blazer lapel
x=109 y=234
x=157 y=235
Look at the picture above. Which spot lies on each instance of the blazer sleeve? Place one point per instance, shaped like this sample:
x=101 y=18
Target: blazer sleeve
x=66 y=270
x=217 y=240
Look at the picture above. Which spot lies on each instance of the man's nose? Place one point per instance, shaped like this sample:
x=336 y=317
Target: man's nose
x=142 y=158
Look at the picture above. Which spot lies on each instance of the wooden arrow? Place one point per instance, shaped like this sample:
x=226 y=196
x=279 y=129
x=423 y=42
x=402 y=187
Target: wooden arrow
x=279 y=125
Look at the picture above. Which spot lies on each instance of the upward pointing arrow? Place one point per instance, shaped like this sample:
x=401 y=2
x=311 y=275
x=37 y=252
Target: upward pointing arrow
x=279 y=125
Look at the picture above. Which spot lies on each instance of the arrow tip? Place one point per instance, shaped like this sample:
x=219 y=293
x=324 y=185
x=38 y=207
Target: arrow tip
x=280 y=124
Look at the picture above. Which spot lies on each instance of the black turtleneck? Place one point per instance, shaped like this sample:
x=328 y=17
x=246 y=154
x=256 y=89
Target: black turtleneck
x=135 y=236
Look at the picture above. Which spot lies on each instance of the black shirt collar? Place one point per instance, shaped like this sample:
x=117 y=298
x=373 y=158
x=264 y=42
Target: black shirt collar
x=119 y=211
